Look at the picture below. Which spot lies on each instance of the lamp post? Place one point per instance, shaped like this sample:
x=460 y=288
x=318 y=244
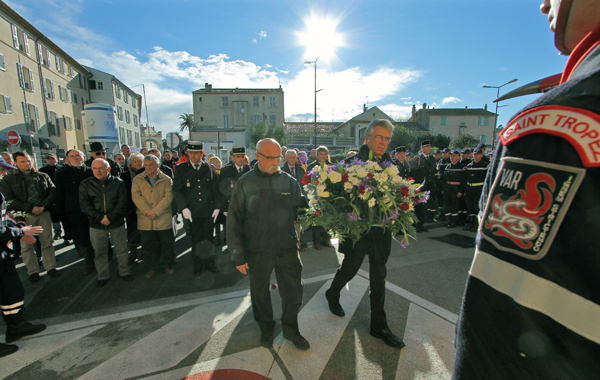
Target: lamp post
x=497 y=96
x=310 y=63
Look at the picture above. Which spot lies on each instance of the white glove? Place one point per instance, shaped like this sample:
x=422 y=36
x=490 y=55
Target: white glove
x=215 y=215
x=225 y=213
x=187 y=214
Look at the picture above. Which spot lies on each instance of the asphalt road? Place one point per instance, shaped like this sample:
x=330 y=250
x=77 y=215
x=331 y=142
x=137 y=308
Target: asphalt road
x=190 y=326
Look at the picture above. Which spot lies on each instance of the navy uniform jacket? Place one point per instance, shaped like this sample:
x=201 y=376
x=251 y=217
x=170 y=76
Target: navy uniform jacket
x=227 y=180
x=197 y=190
x=424 y=169
x=455 y=176
x=404 y=170
x=476 y=172
x=531 y=308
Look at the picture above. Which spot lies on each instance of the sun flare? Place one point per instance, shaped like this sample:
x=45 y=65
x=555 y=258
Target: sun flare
x=320 y=38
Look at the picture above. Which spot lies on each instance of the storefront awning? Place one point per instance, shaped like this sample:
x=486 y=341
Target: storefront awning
x=46 y=143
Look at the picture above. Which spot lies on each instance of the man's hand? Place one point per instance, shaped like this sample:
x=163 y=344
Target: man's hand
x=215 y=214
x=459 y=195
x=105 y=221
x=37 y=210
x=187 y=214
x=225 y=213
x=32 y=230
x=151 y=214
x=242 y=268
x=28 y=239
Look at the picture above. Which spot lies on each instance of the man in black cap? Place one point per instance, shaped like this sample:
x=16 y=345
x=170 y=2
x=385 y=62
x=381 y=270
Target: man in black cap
x=174 y=156
x=196 y=191
x=97 y=150
x=424 y=169
x=441 y=166
x=462 y=204
x=229 y=176
x=401 y=162
x=476 y=173
x=483 y=149
x=453 y=180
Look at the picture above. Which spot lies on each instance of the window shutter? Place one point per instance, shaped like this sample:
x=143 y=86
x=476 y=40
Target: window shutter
x=37 y=119
x=56 y=122
x=26 y=43
x=40 y=53
x=8 y=104
x=52 y=89
x=25 y=112
x=60 y=93
x=15 y=36
x=2 y=62
x=31 y=80
x=70 y=123
x=48 y=63
x=57 y=61
x=50 y=126
x=44 y=88
x=66 y=95
x=20 y=71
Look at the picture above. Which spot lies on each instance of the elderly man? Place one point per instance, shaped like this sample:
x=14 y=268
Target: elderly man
x=31 y=192
x=69 y=209
x=262 y=237
x=97 y=150
x=229 y=176
x=103 y=198
x=322 y=156
x=120 y=160
x=531 y=305
x=292 y=167
x=313 y=156
x=377 y=244
x=196 y=191
x=320 y=237
x=152 y=193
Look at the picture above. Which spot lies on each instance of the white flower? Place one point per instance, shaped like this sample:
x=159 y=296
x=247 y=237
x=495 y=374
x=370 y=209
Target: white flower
x=335 y=177
x=396 y=180
x=362 y=172
x=364 y=196
x=324 y=194
x=371 y=202
x=313 y=202
x=323 y=174
x=354 y=180
x=392 y=170
x=348 y=186
x=381 y=177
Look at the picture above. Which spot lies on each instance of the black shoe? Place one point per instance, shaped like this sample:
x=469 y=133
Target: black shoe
x=22 y=329
x=101 y=283
x=388 y=337
x=334 y=304
x=53 y=273
x=87 y=270
x=7 y=349
x=34 y=277
x=211 y=267
x=266 y=340
x=127 y=278
x=299 y=341
x=198 y=271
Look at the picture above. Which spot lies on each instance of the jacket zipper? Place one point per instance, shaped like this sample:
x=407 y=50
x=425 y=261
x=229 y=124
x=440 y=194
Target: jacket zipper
x=104 y=197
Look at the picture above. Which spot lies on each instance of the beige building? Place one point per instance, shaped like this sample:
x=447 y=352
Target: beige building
x=222 y=115
x=42 y=90
x=356 y=127
x=452 y=122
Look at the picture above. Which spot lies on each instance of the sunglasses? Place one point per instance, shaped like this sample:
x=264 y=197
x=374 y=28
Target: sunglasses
x=100 y=153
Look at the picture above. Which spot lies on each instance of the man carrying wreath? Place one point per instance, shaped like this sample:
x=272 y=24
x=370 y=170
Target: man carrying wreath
x=376 y=243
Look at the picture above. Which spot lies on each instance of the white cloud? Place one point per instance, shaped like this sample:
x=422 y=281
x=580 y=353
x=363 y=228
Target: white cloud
x=450 y=99
x=262 y=34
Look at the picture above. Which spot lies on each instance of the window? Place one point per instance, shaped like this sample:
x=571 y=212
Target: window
x=5 y=104
x=122 y=135
x=137 y=139
x=255 y=101
x=225 y=100
x=117 y=92
x=120 y=112
x=125 y=97
x=201 y=118
x=78 y=124
x=273 y=119
x=25 y=78
x=225 y=121
x=100 y=85
x=64 y=93
x=53 y=124
x=68 y=123
x=20 y=39
x=443 y=122
x=33 y=115
x=127 y=117
x=59 y=64
x=73 y=97
x=69 y=70
x=2 y=63
x=129 y=138
x=483 y=139
x=135 y=120
x=49 y=89
x=256 y=119
x=484 y=120
x=272 y=101
x=134 y=102
x=92 y=84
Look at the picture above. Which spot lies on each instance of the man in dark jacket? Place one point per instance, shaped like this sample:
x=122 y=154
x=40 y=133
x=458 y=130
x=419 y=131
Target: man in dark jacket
x=97 y=150
x=376 y=243
x=292 y=166
x=32 y=193
x=229 y=176
x=51 y=168
x=424 y=169
x=262 y=237
x=68 y=208
x=453 y=182
x=103 y=198
x=196 y=191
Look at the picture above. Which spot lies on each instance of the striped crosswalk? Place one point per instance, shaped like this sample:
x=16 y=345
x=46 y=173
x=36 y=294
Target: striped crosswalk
x=194 y=337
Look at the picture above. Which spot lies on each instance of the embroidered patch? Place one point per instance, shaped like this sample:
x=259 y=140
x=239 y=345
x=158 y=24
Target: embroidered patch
x=527 y=204
x=578 y=126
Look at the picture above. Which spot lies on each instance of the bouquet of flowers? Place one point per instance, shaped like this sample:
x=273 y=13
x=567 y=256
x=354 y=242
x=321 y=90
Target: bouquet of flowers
x=348 y=199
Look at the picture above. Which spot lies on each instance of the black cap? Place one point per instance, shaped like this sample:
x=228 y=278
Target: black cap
x=482 y=146
x=426 y=142
x=97 y=147
x=409 y=153
x=454 y=151
x=195 y=146
x=437 y=152
x=238 y=150
x=466 y=151
x=174 y=151
x=478 y=150
x=446 y=150
x=400 y=149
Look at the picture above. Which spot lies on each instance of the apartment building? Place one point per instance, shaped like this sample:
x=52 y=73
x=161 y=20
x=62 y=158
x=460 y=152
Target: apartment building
x=42 y=90
x=106 y=88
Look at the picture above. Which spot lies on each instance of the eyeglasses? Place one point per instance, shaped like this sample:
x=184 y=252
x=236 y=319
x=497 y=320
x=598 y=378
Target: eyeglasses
x=100 y=153
x=380 y=137
x=270 y=157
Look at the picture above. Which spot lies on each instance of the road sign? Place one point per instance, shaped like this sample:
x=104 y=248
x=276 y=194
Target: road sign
x=172 y=140
x=13 y=138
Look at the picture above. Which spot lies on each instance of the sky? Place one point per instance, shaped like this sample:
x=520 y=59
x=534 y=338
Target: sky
x=390 y=54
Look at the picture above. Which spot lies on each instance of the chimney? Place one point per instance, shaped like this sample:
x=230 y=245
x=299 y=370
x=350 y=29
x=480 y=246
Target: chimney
x=424 y=105
x=485 y=107
x=414 y=112
x=466 y=108
x=364 y=108
x=207 y=87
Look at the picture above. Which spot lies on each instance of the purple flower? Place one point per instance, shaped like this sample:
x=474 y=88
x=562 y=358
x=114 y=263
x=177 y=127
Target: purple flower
x=385 y=164
x=356 y=161
x=404 y=243
x=424 y=198
x=353 y=216
x=369 y=189
x=312 y=172
x=393 y=215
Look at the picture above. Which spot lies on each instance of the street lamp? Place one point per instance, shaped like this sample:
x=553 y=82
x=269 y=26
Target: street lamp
x=497 y=96
x=310 y=63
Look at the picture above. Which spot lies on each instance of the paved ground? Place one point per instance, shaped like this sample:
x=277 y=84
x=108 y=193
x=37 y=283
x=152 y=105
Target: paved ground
x=196 y=327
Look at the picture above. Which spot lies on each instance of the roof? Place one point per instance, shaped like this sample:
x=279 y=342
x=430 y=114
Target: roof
x=458 y=112
x=309 y=127
x=217 y=129
x=239 y=90
x=412 y=126
x=121 y=84
x=374 y=108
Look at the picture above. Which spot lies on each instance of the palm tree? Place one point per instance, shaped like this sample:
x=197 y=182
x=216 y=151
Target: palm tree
x=187 y=122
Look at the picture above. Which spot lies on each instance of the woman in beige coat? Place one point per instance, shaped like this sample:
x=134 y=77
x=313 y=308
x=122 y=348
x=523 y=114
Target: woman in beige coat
x=151 y=192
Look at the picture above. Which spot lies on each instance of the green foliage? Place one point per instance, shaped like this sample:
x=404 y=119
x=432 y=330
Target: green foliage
x=259 y=131
x=182 y=144
x=187 y=122
x=440 y=141
x=402 y=137
x=464 y=140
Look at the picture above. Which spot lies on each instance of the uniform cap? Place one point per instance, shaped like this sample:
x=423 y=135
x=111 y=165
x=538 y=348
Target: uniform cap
x=454 y=151
x=238 y=150
x=437 y=152
x=481 y=146
x=400 y=149
x=426 y=142
x=446 y=150
x=409 y=153
x=478 y=150
x=174 y=151
x=466 y=150
x=195 y=146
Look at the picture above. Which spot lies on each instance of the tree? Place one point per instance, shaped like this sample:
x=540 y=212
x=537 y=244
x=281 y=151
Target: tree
x=464 y=140
x=259 y=131
x=402 y=137
x=441 y=141
x=187 y=122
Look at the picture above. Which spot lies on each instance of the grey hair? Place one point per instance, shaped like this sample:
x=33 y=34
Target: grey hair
x=379 y=123
x=106 y=164
x=289 y=152
x=322 y=148
x=134 y=156
x=154 y=150
x=152 y=158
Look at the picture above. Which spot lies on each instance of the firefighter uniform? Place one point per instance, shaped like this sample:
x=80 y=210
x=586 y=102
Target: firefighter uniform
x=476 y=172
x=453 y=180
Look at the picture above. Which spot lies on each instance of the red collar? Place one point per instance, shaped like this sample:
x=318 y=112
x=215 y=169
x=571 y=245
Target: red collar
x=583 y=48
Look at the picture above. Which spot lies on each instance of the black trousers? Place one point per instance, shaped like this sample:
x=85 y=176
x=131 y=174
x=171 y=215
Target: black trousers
x=12 y=293
x=377 y=244
x=158 y=248
x=203 y=248
x=472 y=196
x=80 y=232
x=451 y=200
x=288 y=270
